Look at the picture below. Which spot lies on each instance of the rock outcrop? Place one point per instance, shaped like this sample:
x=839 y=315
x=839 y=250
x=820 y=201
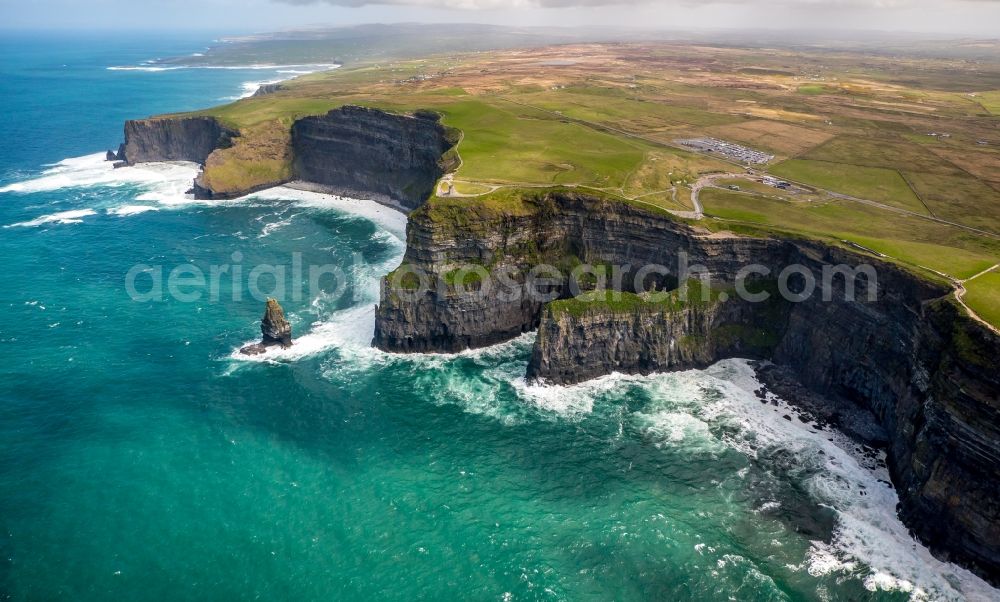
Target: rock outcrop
x=582 y=339
x=907 y=354
x=265 y=89
x=173 y=139
x=275 y=329
x=354 y=151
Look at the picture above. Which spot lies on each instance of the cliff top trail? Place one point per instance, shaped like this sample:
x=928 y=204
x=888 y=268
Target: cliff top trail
x=853 y=159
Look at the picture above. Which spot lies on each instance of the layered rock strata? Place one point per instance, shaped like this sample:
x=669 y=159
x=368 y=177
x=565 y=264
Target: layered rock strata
x=367 y=153
x=351 y=151
x=173 y=139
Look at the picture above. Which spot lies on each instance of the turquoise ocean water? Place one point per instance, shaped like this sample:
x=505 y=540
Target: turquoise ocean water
x=140 y=459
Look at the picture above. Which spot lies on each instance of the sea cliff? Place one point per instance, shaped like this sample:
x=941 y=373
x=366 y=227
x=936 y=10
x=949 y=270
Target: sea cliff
x=691 y=327
x=173 y=139
x=907 y=353
x=356 y=151
x=351 y=151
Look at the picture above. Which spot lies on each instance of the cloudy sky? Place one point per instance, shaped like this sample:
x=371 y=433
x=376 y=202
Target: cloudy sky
x=969 y=17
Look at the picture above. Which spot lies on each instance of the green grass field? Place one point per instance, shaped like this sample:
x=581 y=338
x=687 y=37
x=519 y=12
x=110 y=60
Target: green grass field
x=619 y=110
x=471 y=188
x=871 y=183
x=990 y=101
x=958 y=198
x=888 y=152
x=511 y=144
x=813 y=89
x=983 y=296
x=911 y=240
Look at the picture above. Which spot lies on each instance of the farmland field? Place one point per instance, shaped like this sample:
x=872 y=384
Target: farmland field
x=874 y=183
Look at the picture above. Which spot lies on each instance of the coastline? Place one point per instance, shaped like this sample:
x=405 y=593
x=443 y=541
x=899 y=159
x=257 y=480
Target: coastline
x=821 y=560
x=776 y=486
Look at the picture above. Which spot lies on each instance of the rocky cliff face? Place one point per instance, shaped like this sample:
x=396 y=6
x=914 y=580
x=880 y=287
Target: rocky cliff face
x=583 y=341
x=354 y=151
x=548 y=228
x=907 y=354
x=173 y=139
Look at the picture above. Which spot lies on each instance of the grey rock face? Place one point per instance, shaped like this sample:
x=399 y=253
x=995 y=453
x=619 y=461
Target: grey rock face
x=173 y=139
x=354 y=151
x=574 y=348
x=265 y=89
x=562 y=225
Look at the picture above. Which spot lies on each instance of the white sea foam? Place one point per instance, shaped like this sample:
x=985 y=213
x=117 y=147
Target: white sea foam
x=870 y=543
x=93 y=170
x=708 y=411
x=62 y=217
x=346 y=330
x=349 y=331
x=272 y=227
x=146 y=68
x=249 y=88
x=163 y=184
x=391 y=220
x=127 y=210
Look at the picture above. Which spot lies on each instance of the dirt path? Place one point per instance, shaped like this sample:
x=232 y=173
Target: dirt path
x=960 y=292
x=709 y=180
x=960 y=296
x=446 y=188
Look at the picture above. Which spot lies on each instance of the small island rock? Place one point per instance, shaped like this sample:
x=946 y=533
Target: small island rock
x=275 y=329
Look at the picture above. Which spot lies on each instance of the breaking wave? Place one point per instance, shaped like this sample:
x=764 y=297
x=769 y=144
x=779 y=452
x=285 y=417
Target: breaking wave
x=62 y=217
x=94 y=171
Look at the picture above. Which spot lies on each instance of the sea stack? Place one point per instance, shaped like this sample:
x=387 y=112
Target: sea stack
x=275 y=329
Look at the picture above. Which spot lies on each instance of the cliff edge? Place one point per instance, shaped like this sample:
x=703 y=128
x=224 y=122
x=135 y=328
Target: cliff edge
x=903 y=350
x=351 y=151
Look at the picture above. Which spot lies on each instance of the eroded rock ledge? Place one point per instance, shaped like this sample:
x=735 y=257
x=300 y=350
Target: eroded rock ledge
x=910 y=356
x=691 y=327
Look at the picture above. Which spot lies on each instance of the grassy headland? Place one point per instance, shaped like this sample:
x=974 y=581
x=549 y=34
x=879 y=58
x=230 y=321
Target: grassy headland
x=898 y=156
